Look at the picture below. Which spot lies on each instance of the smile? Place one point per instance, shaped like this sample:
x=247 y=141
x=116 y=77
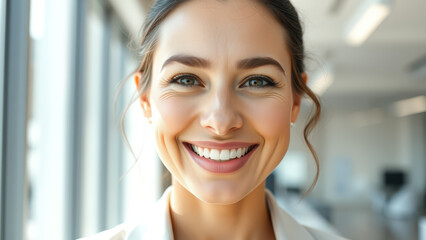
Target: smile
x=221 y=155
x=220 y=158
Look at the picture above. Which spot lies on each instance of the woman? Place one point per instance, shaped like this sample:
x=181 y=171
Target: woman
x=221 y=82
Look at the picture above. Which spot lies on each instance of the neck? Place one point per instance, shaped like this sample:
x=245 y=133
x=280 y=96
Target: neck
x=195 y=219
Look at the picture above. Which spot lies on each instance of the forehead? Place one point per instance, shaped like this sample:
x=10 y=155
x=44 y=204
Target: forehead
x=222 y=30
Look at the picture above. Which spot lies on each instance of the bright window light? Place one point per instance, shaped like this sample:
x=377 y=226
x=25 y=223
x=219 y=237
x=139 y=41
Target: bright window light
x=410 y=106
x=366 y=21
x=37 y=19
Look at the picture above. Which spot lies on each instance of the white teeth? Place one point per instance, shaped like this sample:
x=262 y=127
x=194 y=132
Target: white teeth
x=206 y=153
x=224 y=154
x=220 y=155
x=239 y=152
x=214 y=154
x=233 y=154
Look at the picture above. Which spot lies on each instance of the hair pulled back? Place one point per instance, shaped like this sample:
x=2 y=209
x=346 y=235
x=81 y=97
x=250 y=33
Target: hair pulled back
x=285 y=14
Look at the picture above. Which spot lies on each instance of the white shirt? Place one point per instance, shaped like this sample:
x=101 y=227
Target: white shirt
x=156 y=225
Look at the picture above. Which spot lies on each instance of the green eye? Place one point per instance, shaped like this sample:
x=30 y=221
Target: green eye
x=186 y=80
x=259 y=82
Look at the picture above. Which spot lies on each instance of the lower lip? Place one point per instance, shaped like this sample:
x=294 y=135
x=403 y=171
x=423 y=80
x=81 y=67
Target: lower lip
x=229 y=166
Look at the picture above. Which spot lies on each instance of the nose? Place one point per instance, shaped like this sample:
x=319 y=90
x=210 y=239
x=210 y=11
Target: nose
x=221 y=116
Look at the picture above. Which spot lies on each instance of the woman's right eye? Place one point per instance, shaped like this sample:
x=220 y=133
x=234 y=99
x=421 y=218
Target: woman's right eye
x=186 y=80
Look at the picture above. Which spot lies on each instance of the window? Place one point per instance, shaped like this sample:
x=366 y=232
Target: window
x=48 y=120
x=92 y=121
x=64 y=157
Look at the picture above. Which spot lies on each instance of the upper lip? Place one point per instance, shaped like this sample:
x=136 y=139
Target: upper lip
x=217 y=145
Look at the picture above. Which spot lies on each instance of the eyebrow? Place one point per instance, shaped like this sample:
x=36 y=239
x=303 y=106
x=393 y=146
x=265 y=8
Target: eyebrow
x=255 y=62
x=247 y=63
x=188 y=60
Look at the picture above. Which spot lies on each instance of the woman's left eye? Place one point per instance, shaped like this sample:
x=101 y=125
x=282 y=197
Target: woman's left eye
x=186 y=80
x=259 y=82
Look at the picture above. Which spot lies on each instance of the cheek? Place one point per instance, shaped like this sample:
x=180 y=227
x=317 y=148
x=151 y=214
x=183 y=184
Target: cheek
x=170 y=117
x=173 y=114
x=271 y=118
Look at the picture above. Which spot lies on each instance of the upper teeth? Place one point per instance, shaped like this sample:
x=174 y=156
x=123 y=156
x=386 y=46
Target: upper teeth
x=222 y=155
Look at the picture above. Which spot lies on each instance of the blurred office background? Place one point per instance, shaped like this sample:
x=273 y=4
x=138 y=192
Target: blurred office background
x=67 y=172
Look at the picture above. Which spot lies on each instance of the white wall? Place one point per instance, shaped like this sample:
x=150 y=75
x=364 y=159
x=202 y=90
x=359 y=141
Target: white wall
x=354 y=149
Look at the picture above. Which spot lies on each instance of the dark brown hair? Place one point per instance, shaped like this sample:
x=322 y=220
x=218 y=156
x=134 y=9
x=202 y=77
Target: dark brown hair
x=285 y=14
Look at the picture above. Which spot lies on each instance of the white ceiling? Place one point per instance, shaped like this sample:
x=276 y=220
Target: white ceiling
x=376 y=73
x=372 y=75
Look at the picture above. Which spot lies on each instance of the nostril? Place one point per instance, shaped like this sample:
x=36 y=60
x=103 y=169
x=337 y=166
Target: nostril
x=221 y=128
x=234 y=128
x=221 y=120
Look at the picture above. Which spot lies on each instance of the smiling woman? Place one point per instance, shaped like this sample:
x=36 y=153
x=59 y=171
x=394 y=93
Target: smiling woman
x=222 y=82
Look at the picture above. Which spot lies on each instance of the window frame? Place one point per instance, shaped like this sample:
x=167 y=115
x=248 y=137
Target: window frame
x=14 y=115
x=75 y=133
x=2 y=58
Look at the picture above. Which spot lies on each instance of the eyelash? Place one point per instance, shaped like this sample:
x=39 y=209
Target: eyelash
x=266 y=81
x=179 y=77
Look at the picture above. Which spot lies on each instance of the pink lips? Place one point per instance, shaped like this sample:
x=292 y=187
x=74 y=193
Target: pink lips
x=217 y=166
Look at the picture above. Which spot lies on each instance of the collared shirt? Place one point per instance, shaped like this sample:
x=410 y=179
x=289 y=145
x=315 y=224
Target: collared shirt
x=157 y=225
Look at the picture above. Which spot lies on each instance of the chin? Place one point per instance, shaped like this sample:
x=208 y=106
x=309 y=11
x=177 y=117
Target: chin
x=220 y=193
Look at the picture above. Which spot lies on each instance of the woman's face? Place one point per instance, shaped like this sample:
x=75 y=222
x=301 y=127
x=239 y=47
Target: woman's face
x=221 y=86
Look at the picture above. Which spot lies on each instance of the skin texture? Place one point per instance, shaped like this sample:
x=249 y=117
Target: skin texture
x=221 y=107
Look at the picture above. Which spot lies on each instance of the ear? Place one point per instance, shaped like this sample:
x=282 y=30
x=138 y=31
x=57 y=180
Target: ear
x=143 y=97
x=297 y=100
